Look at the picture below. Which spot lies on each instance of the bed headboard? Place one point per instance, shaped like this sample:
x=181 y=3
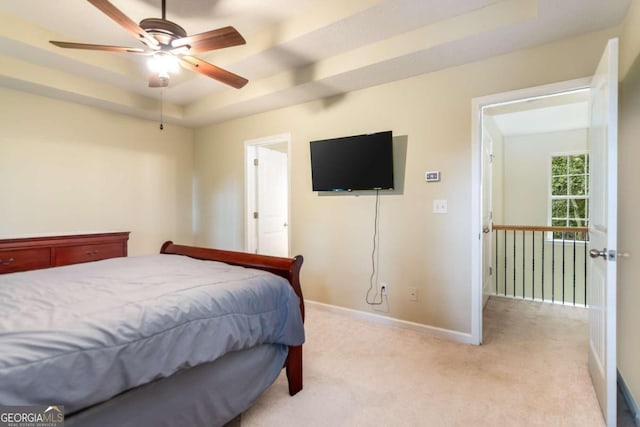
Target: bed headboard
x=289 y=268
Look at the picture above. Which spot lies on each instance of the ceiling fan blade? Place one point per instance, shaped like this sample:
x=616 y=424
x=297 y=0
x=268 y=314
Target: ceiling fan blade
x=158 y=81
x=125 y=22
x=211 y=40
x=199 y=66
x=71 y=45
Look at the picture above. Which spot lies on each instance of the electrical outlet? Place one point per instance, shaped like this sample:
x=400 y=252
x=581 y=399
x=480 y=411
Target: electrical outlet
x=413 y=294
x=384 y=288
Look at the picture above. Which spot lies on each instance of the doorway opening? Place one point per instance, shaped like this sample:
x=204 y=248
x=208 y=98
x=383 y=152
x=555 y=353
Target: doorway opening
x=515 y=136
x=267 y=195
x=534 y=207
x=536 y=198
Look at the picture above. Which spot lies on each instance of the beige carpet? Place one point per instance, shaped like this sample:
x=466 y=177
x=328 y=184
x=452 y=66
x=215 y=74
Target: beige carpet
x=531 y=371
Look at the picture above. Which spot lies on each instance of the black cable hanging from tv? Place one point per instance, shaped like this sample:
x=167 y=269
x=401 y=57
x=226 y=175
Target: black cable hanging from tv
x=374 y=253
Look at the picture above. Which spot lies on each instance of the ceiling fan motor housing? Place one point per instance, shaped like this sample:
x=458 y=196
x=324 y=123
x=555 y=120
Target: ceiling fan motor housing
x=164 y=31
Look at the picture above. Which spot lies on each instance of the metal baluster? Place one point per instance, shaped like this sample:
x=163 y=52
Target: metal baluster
x=563 y=264
x=520 y=266
x=542 y=265
x=523 y=264
x=496 y=250
x=553 y=268
x=574 y=268
x=514 y=263
x=505 y=262
x=586 y=240
x=533 y=265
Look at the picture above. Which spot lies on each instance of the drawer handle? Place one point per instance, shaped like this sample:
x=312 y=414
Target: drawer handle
x=89 y=253
x=10 y=261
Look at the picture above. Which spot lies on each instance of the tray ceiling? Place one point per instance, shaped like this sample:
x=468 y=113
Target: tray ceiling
x=296 y=51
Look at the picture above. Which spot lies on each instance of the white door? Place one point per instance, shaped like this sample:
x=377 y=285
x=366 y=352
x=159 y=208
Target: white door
x=272 y=204
x=487 y=197
x=603 y=151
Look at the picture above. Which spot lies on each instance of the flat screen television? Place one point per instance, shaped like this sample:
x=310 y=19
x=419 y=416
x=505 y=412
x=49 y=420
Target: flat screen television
x=360 y=162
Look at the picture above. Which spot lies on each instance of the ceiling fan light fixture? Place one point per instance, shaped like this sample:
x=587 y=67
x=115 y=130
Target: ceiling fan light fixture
x=162 y=63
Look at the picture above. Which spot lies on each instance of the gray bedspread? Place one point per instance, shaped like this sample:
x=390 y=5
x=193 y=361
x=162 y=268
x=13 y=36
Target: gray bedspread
x=80 y=334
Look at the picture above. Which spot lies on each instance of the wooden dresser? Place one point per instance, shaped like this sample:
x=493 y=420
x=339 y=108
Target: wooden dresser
x=32 y=253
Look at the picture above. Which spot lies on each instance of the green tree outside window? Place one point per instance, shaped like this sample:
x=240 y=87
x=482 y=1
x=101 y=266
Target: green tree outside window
x=570 y=194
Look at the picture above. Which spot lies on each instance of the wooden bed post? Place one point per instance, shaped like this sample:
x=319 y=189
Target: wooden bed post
x=294 y=369
x=293 y=363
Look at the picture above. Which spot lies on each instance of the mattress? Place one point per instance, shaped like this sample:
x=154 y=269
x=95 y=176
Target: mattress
x=81 y=334
x=209 y=395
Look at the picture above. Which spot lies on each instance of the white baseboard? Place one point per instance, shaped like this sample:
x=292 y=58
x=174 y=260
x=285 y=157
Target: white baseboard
x=631 y=403
x=448 y=334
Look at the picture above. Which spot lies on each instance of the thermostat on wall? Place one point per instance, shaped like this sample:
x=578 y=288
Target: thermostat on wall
x=432 y=176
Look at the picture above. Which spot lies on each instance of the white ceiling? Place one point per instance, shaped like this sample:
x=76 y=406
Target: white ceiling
x=555 y=113
x=296 y=51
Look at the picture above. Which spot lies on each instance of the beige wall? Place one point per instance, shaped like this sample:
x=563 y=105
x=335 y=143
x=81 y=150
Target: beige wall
x=629 y=205
x=68 y=168
x=526 y=173
x=431 y=114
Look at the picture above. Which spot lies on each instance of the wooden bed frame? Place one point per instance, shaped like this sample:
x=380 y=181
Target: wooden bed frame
x=38 y=252
x=289 y=268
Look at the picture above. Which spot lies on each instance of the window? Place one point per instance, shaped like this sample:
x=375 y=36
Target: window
x=570 y=194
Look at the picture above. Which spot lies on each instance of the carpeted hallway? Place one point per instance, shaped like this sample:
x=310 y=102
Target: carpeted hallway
x=531 y=371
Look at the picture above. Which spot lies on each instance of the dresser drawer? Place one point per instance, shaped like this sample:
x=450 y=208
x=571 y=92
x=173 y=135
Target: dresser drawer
x=14 y=260
x=66 y=255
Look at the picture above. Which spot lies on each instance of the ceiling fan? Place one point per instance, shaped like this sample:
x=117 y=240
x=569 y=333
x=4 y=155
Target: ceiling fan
x=167 y=45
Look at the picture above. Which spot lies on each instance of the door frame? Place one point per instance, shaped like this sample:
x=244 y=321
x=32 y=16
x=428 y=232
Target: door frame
x=250 y=231
x=477 y=106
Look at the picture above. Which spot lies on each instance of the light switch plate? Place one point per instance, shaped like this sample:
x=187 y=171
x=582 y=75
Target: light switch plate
x=440 y=206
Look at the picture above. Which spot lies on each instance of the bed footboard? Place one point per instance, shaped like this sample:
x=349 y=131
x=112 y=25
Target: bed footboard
x=289 y=268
